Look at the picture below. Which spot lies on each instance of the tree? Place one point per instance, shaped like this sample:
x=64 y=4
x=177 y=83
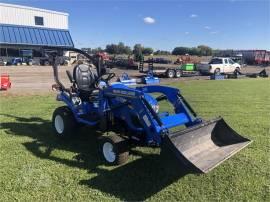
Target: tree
x=162 y=52
x=147 y=51
x=194 y=51
x=137 y=51
x=180 y=51
x=205 y=50
x=112 y=48
x=124 y=49
x=119 y=48
x=201 y=50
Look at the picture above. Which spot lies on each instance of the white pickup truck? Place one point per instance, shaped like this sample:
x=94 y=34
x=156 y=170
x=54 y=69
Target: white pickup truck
x=219 y=65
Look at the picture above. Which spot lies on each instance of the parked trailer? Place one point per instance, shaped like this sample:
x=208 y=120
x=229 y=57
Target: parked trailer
x=267 y=57
x=259 y=56
x=170 y=71
x=250 y=56
x=262 y=57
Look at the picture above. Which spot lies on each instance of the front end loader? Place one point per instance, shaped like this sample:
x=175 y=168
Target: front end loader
x=134 y=118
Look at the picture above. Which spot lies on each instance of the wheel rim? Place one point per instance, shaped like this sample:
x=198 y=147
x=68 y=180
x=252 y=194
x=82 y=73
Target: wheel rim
x=178 y=74
x=59 y=124
x=170 y=74
x=108 y=152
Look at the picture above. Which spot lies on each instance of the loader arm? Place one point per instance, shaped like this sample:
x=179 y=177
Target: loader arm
x=176 y=99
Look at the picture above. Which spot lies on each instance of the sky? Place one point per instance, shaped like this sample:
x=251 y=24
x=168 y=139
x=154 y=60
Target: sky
x=165 y=24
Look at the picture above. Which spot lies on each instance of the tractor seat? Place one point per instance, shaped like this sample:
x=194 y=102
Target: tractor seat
x=85 y=80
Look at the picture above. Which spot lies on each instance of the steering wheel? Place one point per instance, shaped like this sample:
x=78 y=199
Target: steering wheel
x=106 y=80
x=110 y=76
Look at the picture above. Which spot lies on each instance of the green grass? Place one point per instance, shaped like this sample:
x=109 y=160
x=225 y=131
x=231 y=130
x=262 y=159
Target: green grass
x=35 y=166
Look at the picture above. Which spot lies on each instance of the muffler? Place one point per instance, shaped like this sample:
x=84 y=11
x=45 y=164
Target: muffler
x=206 y=145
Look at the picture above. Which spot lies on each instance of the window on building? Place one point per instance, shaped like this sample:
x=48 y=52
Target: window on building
x=39 y=20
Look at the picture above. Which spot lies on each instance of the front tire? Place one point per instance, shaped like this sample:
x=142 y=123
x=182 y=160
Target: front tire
x=63 y=122
x=170 y=73
x=114 y=150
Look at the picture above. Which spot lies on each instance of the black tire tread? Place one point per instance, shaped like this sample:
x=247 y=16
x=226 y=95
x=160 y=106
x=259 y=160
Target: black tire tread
x=121 y=148
x=69 y=121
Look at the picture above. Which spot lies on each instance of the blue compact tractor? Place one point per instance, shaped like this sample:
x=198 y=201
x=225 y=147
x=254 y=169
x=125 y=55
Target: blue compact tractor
x=133 y=116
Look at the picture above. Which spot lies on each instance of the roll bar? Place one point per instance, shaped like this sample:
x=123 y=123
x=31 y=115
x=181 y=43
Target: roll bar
x=55 y=52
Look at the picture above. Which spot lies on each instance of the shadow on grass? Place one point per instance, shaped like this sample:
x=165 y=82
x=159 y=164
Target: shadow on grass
x=136 y=180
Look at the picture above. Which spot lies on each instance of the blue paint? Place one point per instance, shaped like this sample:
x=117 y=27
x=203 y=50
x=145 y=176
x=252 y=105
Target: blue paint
x=125 y=103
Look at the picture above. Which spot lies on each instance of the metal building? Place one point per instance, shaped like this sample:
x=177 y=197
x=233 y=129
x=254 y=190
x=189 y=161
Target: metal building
x=27 y=31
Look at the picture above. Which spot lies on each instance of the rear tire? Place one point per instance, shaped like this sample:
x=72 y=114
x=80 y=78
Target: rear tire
x=217 y=71
x=114 y=150
x=63 y=122
x=178 y=73
x=170 y=73
x=237 y=69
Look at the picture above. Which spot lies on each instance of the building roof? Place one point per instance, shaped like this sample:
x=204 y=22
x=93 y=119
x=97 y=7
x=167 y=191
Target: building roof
x=32 y=8
x=34 y=36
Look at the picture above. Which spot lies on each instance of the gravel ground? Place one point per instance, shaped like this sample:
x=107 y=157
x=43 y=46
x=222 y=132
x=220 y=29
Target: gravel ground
x=39 y=79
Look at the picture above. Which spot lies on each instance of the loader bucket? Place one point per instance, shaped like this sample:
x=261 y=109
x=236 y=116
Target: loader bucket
x=204 y=146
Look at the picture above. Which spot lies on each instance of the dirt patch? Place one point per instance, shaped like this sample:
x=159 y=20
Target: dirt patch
x=29 y=80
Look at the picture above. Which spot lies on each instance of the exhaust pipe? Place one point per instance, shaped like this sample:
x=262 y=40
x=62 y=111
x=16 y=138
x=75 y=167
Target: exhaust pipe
x=204 y=146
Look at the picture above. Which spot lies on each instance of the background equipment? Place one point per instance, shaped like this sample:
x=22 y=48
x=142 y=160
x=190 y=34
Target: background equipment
x=5 y=82
x=126 y=80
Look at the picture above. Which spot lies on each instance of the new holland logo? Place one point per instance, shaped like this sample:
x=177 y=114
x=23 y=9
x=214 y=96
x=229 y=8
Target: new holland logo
x=124 y=93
